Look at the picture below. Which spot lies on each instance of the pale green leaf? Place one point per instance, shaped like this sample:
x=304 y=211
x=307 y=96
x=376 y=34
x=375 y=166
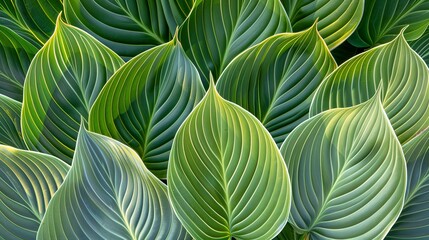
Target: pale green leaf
x=15 y=57
x=383 y=20
x=275 y=80
x=128 y=27
x=216 y=31
x=413 y=221
x=337 y=19
x=348 y=173
x=10 y=126
x=402 y=74
x=109 y=194
x=28 y=180
x=145 y=102
x=62 y=83
x=226 y=176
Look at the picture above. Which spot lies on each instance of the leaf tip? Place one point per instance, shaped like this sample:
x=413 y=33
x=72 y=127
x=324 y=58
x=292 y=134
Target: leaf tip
x=175 y=40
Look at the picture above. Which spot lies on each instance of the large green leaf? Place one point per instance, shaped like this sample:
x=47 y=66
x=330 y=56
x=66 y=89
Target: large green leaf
x=62 y=83
x=337 y=19
x=226 y=176
x=421 y=46
x=15 y=57
x=413 y=221
x=129 y=27
x=145 y=102
x=275 y=80
x=109 y=194
x=383 y=20
x=34 y=20
x=348 y=173
x=10 y=122
x=403 y=76
x=28 y=180
x=216 y=31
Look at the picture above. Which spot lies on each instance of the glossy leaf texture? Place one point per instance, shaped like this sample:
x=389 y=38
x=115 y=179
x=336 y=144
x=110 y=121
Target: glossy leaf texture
x=10 y=122
x=62 y=83
x=395 y=67
x=128 y=27
x=383 y=20
x=348 y=173
x=15 y=57
x=421 y=46
x=34 y=20
x=217 y=30
x=109 y=194
x=28 y=180
x=413 y=221
x=275 y=80
x=226 y=176
x=146 y=101
x=337 y=19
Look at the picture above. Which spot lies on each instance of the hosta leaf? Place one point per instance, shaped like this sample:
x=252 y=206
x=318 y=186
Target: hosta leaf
x=383 y=20
x=413 y=221
x=15 y=57
x=348 y=173
x=28 y=180
x=216 y=31
x=226 y=176
x=109 y=194
x=288 y=233
x=10 y=128
x=337 y=19
x=145 y=102
x=421 y=46
x=275 y=79
x=62 y=83
x=128 y=27
x=403 y=76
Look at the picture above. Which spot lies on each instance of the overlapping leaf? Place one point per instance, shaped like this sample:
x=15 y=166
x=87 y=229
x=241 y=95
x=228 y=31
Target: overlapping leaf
x=62 y=83
x=128 y=27
x=403 y=76
x=276 y=79
x=28 y=180
x=421 y=46
x=413 y=221
x=226 y=177
x=15 y=57
x=216 y=31
x=10 y=127
x=337 y=19
x=383 y=20
x=109 y=194
x=348 y=173
x=146 y=101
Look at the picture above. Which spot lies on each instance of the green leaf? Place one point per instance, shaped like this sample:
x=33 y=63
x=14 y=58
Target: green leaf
x=275 y=80
x=421 y=46
x=28 y=180
x=62 y=83
x=383 y=20
x=413 y=221
x=15 y=57
x=109 y=194
x=10 y=127
x=226 y=176
x=288 y=233
x=129 y=27
x=402 y=74
x=337 y=19
x=348 y=173
x=216 y=31
x=146 y=101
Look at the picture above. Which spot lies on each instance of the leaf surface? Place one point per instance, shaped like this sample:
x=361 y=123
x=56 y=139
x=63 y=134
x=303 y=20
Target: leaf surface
x=109 y=194
x=10 y=123
x=348 y=173
x=226 y=176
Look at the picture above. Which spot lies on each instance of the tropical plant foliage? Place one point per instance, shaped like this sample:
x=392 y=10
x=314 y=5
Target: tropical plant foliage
x=214 y=119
